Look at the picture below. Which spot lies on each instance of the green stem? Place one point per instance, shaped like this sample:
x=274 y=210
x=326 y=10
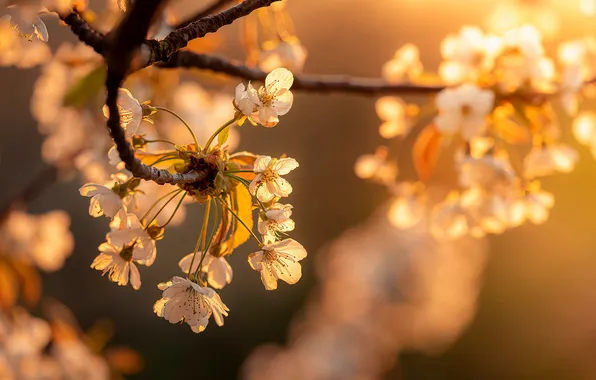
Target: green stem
x=162 y=207
x=241 y=221
x=204 y=254
x=214 y=135
x=163 y=159
x=194 y=137
x=201 y=235
x=160 y=141
x=157 y=201
x=175 y=210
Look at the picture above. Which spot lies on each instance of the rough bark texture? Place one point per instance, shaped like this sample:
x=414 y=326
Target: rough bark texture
x=84 y=31
x=214 y=7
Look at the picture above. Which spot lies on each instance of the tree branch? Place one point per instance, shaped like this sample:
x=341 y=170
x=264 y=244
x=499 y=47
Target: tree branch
x=128 y=36
x=215 y=6
x=178 y=39
x=311 y=83
x=84 y=31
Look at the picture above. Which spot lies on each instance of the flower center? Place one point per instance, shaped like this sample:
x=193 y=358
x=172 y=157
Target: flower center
x=126 y=252
x=466 y=110
x=270 y=255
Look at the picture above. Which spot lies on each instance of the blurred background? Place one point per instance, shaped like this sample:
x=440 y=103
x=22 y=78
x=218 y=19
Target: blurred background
x=536 y=311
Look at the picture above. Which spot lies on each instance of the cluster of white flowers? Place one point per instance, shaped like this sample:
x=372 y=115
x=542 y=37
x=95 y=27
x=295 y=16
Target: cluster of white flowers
x=500 y=92
x=24 y=352
x=140 y=212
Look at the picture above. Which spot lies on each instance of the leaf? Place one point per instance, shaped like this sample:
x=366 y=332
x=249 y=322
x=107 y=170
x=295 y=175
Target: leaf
x=222 y=137
x=30 y=282
x=242 y=206
x=426 y=151
x=8 y=286
x=86 y=88
x=508 y=127
x=244 y=159
x=160 y=160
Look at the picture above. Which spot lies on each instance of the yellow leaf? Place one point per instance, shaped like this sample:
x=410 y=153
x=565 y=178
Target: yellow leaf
x=426 y=151
x=242 y=206
x=8 y=286
x=30 y=282
x=222 y=137
x=507 y=126
x=160 y=160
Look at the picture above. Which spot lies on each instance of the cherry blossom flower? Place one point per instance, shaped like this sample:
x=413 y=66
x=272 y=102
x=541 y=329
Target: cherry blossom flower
x=537 y=203
x=278 y=261
x=219 y=272
x=407 y=209
x=377 y=167
x=123 y=248
x=276 y=219
x=267 y=184
x=546 y=159
x=405 y=64
x=269 y=102
x=448 y=219
x=464 y=55
x=130 y=110
x=184 y=300
x=398 y=117
x=463 y=109
x=104 y=200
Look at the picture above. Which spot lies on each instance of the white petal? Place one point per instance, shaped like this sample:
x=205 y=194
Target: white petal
x=135 y=277
x=285 y=165
x=279 y=79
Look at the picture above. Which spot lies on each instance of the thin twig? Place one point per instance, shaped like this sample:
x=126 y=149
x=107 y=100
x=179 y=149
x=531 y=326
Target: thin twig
x=214 y=7
x=313 y=83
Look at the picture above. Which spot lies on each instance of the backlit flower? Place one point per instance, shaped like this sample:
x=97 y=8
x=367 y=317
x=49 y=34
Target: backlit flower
x=219 y=271
x=277 y=219
x=268 y=183
x=405 y=64
x=104 y=201
x=398 y=117
x=270 y=101
x=184 y=300
x=463 y=109
x=130 y=110
x=290 y=54
x=278 y=261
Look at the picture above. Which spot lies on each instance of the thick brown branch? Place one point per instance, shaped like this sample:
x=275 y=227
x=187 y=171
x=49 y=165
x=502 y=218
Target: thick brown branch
x=178 y=39
x=313 y=83
x=214 y=7
x=129 y=35
x=84 y=31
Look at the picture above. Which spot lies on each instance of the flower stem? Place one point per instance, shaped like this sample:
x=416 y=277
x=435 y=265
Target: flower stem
x=162 y=207
x=175 y=210
x=214 y=135
x=160 y=141
x=239 y=171
x=240 y=220
x=157 y=201
x=201 y=237
x=194 y=137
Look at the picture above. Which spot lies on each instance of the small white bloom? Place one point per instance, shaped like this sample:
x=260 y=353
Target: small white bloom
x=448 y=219
x=276 y=219
x=219 y=271
x=488 y=172
x=268 y=184
x=537 y=203
x=398 y=117
x=184 y=300
x=377 y=167
x=405 y=64
x=278 y=261
x=130 y=110
x=545 y=160
x=104 y=201
x=408 y=207
x=269 y=102
x=463 y=109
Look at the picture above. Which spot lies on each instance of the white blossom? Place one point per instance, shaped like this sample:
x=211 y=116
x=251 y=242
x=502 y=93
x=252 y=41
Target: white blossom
x=184 y=300
x=278 y=261
x=277 y=218
x=104 y=200
x=270 y=101
x=219 y=271
x=547 y=159
x=268 y=184
x=464 y=109
x=130 y=110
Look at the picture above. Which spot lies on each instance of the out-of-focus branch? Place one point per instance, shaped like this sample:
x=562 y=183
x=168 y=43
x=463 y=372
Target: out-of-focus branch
x=84 y=31
x=178 y=39
x=214 y=7
x=128 y=36
x=311 y=83
x=38 y=184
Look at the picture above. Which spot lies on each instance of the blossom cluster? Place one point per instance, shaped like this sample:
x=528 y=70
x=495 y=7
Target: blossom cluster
x=232 y=186
x=499 y=101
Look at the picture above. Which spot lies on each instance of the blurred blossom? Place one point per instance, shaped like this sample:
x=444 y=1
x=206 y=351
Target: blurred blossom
x=18 y=51
x=547 y=159
x=290 y=54
x=43 y=240
x=405 y=65
x=377 y=166
x=398 y=117
x=409 y=292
